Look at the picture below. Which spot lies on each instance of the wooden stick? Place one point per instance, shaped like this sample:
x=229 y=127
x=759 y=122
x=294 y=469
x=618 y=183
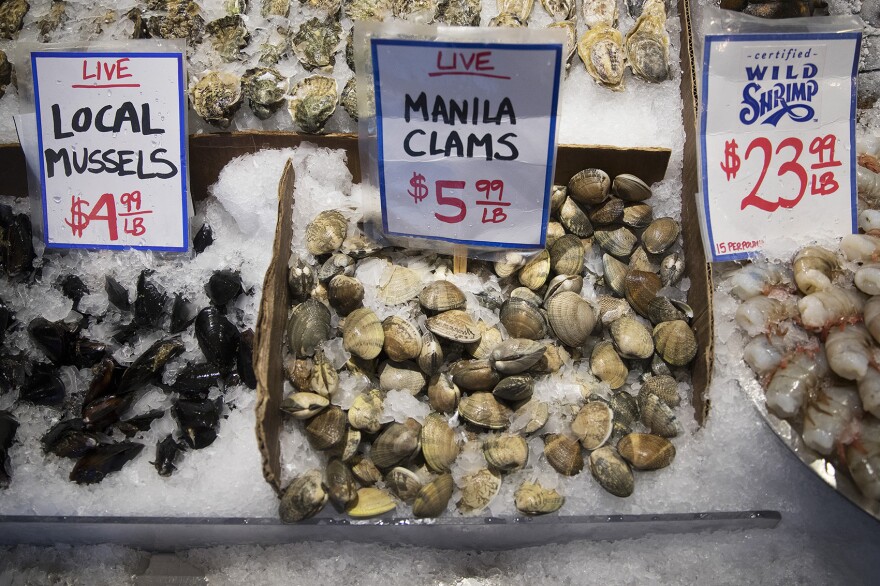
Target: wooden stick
x=459 y=259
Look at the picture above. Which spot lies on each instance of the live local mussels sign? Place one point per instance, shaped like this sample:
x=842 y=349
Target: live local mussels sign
x=777 y=139
x=467 y=139
x=112 y=140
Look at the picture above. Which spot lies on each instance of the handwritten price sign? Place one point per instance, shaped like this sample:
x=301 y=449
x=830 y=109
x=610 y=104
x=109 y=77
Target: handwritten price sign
x=777 y=140
x=112 y=145
x=466 y=138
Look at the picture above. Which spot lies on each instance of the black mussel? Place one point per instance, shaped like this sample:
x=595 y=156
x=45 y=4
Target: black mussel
x=103 y=460
x=13 y=371
x=167 y=451
x=6 y=320
x=126 y=334
x=149 y=304
x=55 y=338
x=106 y=376
x=69 y=439
x=19 y=248
x=217 y=337
x=104 y=412
x=8 y=427
x=150 y=364
x=198 y=421
x=196 y=379
x=203 y=239
x=43 y=387
x=143 y=422
x=183 y=313
x=87 y=353
x=116 y=293
x=73 y=288
x=245 y=359
x=223 y=287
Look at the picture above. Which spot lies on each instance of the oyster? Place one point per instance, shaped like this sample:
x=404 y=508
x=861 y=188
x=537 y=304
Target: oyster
x=312 y=102
x=521 y=9
x=229 y=35
x=418 y=11
x=275 y=8
x=349 y=98
x=561 y=10
x=377 y=10
x=328 y=6
x=182 y=21
x=601 y=50
x=600 y=13
x=264 y=88
x=11 y=17
x=459 y=12
x=5 y=73
x=647 y=44
x=316 y=42
x=48 y=24
x=216 y=97
x=506 y=20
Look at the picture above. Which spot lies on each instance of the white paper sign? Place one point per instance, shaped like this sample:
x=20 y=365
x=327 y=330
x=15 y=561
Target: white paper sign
x=467 y=139
x=777 y=139
x=112 y=135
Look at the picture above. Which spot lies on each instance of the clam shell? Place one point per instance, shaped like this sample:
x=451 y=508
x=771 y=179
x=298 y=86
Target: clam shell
x=455 y=325
x=672 y=268
x=489 y=339
x=530 y=416
x=552 y=360
x=341 y=485
x=625 y=408
x=326 y=429
x=345 y=294
x=349 y=445
x=366 y=411
x=630 y=188
x=438 y=443
x=567 y=255
x=309 y=326
x=619 y=242
x=612 y=308
x=535 y=272
x=394 y=445
x=662 y=309
x=606 y=364
x=560 y=283
x=610 y=212
x=474 y=375
x=441 y=296
x=631 y=338
x=404 y=483
x=506 y=453
x=326 y=232
x=564 y=454
x=555 y=231
x=658 y=416
x=590 y=186
x=518 y=387
x=527 y=294
x=365 y=471
x=615 y=273
x=660 y=235
x=371 y=502
x=592 y=424
x=522 y=319
x=646 y=451
x=571 y=317
x=612 y=472
x=443 y=394
x=637 y=215
x=431 y=355
x=303 y=498
x=300 y=279
x=533 y=499
x=675 y=342
x=484 y=410
x=298 y=371
x=363 y=334
x=640 y=261
x=304 y=405
x=511 y=263
x=432 y=498
x=640 y=289
x=478 y=490
x=558 y=193
x=575 y=220
x=337 y=264
x=516 y=355
x=399 y=285
x=402 y=339
x=324 y=380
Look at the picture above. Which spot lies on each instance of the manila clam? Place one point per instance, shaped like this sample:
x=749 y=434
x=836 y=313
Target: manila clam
x=478 y=490
x=341 y=485
x=506 y=453
x=590 y=186
x=522 y=319
x=454 y=325
x=443 y=394
x=326 y=232
x=397 y=443
x=484 y=410
x=612 y=472
x=303 y=498
x=371 y=502
x=363 y=334
x=308 y=327
x=439 y=446
x=402 y=339
x=645 y=451
x=566 y=256
x=533 y=499
x=571 y=317
x=536 y=270
x=564 y=454
x=516 y=355
x=592 y=424
x=404 y=483
x=433 y=497
x=474 y=375
x=441 y=296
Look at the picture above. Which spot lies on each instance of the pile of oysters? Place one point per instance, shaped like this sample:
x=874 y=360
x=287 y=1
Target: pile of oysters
x=419 y=386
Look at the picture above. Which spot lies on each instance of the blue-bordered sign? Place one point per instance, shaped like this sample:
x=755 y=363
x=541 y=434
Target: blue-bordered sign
x=466 y=139
x=777 y=140
x=112 y=137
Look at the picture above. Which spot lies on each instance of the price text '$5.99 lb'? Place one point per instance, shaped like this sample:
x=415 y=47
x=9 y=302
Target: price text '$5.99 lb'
x=491 y=199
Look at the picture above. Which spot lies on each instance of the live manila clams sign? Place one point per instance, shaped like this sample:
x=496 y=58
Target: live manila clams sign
x=466 y=138
x=111 y=134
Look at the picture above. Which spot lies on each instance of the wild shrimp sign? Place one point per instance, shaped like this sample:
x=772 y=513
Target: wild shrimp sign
x=111 y=133
x=466 y=139
x=777 y=139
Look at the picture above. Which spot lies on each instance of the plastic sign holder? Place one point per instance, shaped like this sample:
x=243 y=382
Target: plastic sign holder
x=777 y=139
x=111 y=131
